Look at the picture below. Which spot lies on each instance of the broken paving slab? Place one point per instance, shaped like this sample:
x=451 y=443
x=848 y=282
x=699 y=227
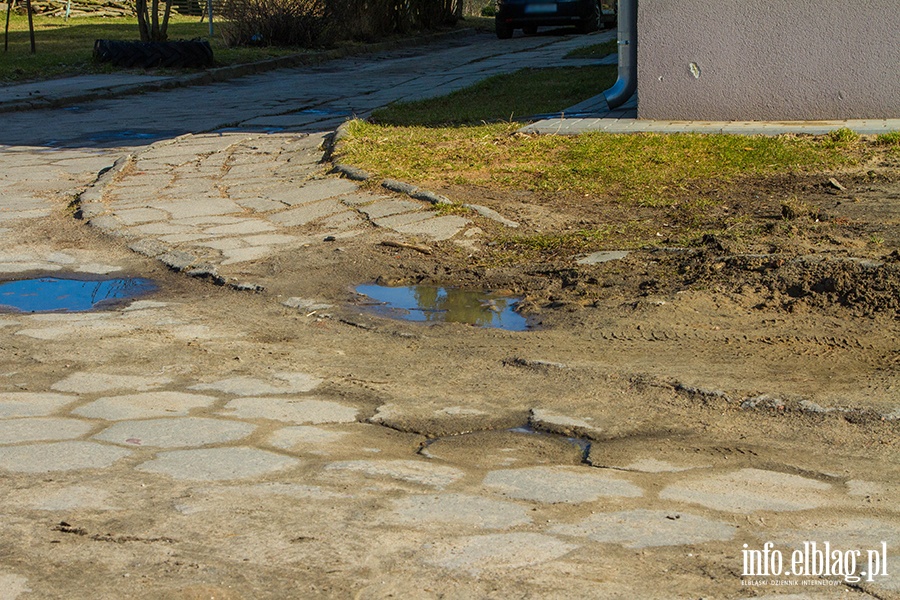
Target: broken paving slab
x=291 y=410
x=562 y=424
x=413 y=471
x=554 y=485
x=189 y=432
x=395 y=221
x=479 y=553
x=287 y=383
x=645 y=528
x=459 y=510
x=438 y=229
x=216 y=464
x=32 y=404
x=386 y=208
x=144 y=405
x=750 y=490
x=428 y=417
x=492 y=214
x=14 y=431
x=85 y=382
x=59 y=456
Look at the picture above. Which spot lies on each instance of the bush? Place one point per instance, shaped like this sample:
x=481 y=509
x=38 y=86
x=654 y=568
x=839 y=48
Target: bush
x=312 y=23
x=274 y=23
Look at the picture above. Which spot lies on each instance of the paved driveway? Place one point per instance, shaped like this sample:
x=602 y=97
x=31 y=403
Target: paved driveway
x=308 y=98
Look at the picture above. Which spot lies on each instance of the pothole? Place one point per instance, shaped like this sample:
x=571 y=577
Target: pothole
x=56 y=294
x=434 y=304
x=517 y=446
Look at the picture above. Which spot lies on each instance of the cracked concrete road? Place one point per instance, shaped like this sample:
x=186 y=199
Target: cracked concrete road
x=209 y=442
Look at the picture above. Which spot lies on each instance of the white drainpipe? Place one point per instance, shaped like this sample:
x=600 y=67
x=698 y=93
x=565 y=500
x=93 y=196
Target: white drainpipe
x=626 y=84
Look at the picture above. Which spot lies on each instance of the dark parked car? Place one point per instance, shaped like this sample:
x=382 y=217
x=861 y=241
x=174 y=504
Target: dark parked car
x=528 y=15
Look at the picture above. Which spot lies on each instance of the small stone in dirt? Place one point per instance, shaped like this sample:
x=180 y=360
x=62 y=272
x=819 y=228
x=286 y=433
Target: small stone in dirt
x=536 y=364
x=305 y=304
x=836 y=184
x=602 y=257
x=484 y=211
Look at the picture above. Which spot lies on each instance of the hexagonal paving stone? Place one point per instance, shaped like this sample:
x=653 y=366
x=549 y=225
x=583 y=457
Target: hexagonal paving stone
x=145 y=405
x=460 y=509
x=560 y=484
x=749 y=490
x=288 y=383
x=96 y=383
x=497 y=551
x=290 y=438
x=175 y=433
x=291 y=410
x=643 y=528
x=214 y=464
x=31 y=404
x=59 y=456
x=13 y=431
x=414 y=471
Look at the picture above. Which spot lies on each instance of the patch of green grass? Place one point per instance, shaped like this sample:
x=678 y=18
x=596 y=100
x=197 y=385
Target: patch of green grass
x=503 y=98
x=843 y=136
x=642 y=167
x=66 y=47
x=888 y=139
x=595 y=51
x=551 y=244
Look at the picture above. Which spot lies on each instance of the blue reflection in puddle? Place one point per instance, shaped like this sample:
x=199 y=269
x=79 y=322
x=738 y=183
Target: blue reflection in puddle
x=432 y=304
x=52 y=294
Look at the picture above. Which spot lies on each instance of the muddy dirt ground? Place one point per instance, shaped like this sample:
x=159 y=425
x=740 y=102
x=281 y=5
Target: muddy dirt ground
x=777 y=351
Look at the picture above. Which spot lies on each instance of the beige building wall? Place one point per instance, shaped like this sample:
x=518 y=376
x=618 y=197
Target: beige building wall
x=768 y=59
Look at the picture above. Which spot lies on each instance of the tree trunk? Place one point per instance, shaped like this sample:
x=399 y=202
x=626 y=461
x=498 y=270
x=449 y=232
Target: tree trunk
x=154 y=20
x=164 y=29
x=141 y=10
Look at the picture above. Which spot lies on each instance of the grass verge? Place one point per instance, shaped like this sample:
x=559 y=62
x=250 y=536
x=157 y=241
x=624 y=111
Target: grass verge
x=66 y=48
x=642 y=168
x=503 y=98
x=595 y=51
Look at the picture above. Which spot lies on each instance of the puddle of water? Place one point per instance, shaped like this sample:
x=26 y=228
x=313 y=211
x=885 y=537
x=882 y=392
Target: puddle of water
x=583 y=444
x=52 y=294
x=431 y=304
